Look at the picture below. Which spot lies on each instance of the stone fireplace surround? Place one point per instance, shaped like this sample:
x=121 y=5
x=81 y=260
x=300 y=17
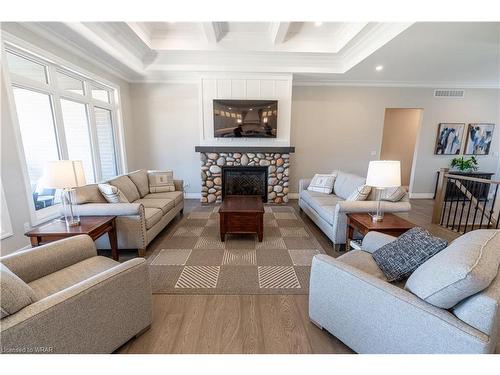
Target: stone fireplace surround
x=213 y=158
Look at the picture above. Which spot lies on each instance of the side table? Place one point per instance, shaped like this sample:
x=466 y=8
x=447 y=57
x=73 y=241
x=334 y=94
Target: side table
x=362 y=223
x=94 y=226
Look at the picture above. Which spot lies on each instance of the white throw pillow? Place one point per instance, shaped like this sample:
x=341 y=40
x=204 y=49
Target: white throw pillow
x=112 y=194
x=393 y=194
x=360 y=194
x=161 y=181
x=467 y=266
x=322 y=183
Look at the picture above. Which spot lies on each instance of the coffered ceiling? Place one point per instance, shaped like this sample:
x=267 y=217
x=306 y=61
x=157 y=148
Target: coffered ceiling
x=329 y=52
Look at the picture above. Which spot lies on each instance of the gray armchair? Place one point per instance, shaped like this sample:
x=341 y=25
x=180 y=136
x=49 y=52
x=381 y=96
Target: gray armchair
x=63 y=298
x=351 y=298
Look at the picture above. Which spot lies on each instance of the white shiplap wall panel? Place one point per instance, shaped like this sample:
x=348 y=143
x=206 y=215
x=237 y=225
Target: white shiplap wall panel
x=253 y=88
x=267 y=89
x=238 y=89
x=223 y=88
x=240 y=86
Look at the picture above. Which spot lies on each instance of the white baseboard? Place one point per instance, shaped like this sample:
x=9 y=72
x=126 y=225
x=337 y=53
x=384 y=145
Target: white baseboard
x=421 y=195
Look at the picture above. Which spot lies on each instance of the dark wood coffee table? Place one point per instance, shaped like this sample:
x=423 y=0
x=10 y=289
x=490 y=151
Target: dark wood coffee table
x=242 y=214
x=362 y=223
x=94 y=226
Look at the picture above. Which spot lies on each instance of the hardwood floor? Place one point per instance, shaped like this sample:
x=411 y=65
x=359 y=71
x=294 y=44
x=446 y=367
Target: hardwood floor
x=247 y=323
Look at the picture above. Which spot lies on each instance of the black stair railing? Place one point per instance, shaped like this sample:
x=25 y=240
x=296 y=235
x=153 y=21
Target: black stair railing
x=466 y=203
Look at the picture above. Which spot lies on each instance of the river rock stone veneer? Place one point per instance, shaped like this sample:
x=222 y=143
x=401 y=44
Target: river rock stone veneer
x=211 y=173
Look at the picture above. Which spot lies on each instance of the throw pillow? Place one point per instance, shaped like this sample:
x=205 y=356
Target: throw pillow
x=322 y=183
x=393 y=194
x=399 y=258
x=161 y=181
x=140 y=179
x=112 y=194
x=16 y=294
x=126 y=186
x=464 y=268
x=360 y=194
x=88 y=194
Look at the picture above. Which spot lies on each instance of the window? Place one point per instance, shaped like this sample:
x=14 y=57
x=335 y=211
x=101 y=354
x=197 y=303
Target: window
x=76 y=131
x=99 y=93
x=26 y=68
x=69 y=84
x=5 y=224
x=105 y=142
x=37 y=127
x=61 y=115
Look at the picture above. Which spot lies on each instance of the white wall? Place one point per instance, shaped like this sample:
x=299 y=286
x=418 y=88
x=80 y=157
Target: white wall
x=246 y=86
x=339 y=127
x=12 y=178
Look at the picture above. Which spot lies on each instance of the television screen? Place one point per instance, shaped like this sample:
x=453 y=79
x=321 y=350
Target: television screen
x=245 y=118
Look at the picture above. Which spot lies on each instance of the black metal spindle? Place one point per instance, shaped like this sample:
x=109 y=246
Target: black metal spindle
x=483 y=211
x=457 y=195
x=492 y=211
x=463 y=207
x=445 y=200
x=476 y=208
x=472 y=190
x=451 y=206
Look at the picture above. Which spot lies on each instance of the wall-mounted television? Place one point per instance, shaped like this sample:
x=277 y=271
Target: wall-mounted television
x=245 y=118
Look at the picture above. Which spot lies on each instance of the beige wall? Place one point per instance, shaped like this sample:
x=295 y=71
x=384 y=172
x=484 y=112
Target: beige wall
x=399 y=138
x=332 y=127
x=339 y=127
x=167 y=130
x=12 y=178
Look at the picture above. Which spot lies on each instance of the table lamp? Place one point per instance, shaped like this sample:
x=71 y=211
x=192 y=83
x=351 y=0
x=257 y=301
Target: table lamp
x=383 y=174
x=65 y=175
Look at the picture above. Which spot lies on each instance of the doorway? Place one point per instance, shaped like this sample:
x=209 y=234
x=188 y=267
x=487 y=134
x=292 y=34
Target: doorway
x=399 y=140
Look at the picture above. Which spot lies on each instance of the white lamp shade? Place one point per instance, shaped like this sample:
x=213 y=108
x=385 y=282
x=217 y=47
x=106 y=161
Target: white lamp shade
x=384 y=174
x=61 y=174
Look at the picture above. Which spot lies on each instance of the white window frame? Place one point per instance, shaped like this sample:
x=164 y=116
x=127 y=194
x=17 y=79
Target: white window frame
x=18 y=46
x=6 y=226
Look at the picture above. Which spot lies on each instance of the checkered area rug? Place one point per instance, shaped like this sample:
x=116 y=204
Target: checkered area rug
x=193 y=259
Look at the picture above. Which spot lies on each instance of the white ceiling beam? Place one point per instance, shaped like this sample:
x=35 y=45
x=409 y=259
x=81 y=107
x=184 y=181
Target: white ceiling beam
x=213 y=31
x=370 y=39
x=279 y=31
x=141 y=30
x=120 y=54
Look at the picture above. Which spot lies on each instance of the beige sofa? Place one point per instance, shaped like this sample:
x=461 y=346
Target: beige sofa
x=63 y=298
x=450 y=304
x=328 y=211
x=139 y=221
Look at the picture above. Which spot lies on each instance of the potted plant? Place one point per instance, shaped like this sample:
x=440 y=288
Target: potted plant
x=464 y=165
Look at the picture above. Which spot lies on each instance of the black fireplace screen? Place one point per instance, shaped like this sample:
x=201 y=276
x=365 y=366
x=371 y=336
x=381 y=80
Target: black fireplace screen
x=244 y=181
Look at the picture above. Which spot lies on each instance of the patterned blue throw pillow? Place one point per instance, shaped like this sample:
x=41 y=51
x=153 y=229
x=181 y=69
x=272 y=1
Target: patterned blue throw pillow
x=399 y=258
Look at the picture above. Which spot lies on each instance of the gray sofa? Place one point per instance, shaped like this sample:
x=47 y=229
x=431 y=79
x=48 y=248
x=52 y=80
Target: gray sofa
x=328 y=211
x=351 y=298
x=139 y=221
x=63 y=298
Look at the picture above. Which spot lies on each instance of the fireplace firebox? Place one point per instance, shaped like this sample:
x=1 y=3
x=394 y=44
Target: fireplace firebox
x=245 y=181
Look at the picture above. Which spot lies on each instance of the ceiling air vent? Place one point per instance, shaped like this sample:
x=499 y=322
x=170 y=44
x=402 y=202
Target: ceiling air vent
x=449 y=93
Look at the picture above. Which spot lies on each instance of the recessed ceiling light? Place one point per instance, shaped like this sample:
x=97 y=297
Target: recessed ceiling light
x=230 y=108
x=378 y=68
x=318 y=24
